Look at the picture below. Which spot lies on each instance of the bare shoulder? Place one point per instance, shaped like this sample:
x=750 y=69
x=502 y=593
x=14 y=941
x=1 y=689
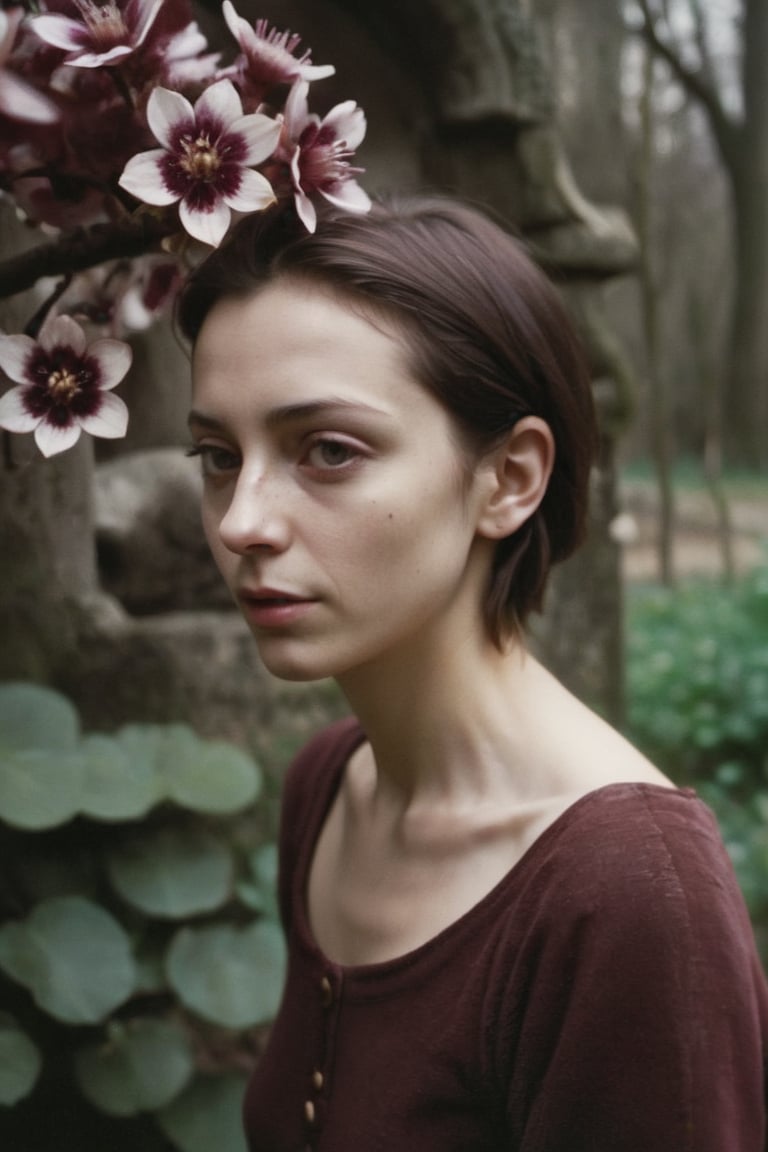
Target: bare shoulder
x=583 y=749
x=617 y=759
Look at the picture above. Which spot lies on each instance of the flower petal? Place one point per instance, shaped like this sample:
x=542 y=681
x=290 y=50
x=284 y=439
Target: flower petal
x=62 y=330
x=220 y=101
x=20 y=101
x=190 y=41
x=114 y=359
x=208 y=226
x=143 y=178
x=238 y=27
x=60 y=31
x=148 y=10
x=348 y=123
x=316 y=71
x=305 y=210
x=111 y=420
x=348 y=195
x=50 y=439
x=261 y=134
x=166 y=110
x=15 y=352
x=254 y=193
x=100 y=59
x=296 y=108
x=14 y=416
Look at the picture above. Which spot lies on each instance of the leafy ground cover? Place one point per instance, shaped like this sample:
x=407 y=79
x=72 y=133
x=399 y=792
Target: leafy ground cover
x=140 y=956
x=697 y=687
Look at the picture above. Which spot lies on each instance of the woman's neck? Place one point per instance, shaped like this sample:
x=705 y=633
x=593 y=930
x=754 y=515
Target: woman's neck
x=448 y=723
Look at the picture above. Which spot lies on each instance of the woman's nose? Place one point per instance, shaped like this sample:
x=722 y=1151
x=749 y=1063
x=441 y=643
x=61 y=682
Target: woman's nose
x=256 y=516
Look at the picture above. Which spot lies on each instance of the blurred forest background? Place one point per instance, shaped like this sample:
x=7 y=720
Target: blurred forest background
x=627 y=141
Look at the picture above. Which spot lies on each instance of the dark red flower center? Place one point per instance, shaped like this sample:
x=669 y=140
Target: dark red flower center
x=62 y=385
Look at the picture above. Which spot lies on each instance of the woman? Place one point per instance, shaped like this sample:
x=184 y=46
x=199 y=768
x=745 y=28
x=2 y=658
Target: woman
x=506 y=929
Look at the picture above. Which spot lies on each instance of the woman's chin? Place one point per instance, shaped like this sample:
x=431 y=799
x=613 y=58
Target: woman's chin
x=285 y=664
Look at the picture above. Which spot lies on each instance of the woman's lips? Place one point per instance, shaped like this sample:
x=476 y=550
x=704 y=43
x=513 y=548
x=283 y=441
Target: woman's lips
x=271 y=608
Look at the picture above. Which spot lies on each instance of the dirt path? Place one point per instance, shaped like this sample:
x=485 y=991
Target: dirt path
x=696 y=551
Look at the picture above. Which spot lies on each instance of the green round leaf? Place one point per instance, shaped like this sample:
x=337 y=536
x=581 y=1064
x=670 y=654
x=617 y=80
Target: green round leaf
x=142 y=1066
x=19 y=1062
x=116 y=786
x=207 y=1115
x=172 y=872
x=260 y=893
x=217 y=777
x=40 y=788
x=17 y=951
x=156 y=744
x=32 y=716
x=73 y=957
x=230 y=976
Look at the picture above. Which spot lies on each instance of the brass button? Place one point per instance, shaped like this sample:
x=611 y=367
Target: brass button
x=318 y=1079
x=309 y=1111
x=326 y=992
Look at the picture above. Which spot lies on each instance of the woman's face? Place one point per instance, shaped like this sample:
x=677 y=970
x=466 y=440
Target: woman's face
x=337 y=502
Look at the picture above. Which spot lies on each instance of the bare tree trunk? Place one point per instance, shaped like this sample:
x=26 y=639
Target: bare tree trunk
x=48 y=558
x=747 y=383
x=747 y=395
x=742 y=142
x=660 y=420
x=713 y=435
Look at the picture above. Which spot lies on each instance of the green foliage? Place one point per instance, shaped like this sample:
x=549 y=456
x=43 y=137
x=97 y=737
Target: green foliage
x=172 y=872
x=697 y=679
x=207 y=1116
x=140 y=1066
x=137 y=935
x=19 y=1062
x=231 y=976
x=73 y=956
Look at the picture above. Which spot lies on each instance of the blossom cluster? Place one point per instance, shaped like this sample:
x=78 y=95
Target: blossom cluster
x=110 y=108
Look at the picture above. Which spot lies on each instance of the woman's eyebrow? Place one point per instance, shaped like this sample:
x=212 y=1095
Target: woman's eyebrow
x=304 y=410
x=311 y=409
x=204 y=421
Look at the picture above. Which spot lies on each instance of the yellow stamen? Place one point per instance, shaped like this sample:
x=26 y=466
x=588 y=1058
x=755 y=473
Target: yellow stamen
x=201 y=159
x=63 y=386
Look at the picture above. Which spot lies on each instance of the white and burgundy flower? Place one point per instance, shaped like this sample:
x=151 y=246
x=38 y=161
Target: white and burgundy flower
x=318 y=152
x=270 y=55
x=185 y=61
x=107 y=31
x=205 y=163
x=63 y=385
x=18 y=99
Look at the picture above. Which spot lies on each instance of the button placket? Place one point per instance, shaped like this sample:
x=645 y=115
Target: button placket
x=326 y=992
x=315 y=1103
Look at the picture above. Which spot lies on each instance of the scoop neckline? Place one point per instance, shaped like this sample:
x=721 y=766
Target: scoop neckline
x=349 y=744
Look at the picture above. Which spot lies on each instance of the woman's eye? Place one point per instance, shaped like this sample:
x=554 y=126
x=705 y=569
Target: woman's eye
x=329 y=454
x=215 y=460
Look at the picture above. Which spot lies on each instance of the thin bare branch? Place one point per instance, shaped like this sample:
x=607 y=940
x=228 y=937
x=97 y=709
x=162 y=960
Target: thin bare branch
x=85 y=248
x=701 y=38
x=725 y=128
x=33 y=326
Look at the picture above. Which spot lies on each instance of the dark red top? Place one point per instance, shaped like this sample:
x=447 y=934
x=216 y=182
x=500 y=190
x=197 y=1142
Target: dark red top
x=605 y=996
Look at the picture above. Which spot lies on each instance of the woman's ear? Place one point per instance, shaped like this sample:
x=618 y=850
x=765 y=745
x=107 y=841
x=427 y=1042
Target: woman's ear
x=518 y=473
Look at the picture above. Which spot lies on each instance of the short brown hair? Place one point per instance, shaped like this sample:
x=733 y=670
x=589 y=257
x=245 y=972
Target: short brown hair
x=487 y=335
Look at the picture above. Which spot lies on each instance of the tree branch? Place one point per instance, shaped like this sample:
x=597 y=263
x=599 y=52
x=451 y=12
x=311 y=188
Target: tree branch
x=85 y=248
x=725 y=129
